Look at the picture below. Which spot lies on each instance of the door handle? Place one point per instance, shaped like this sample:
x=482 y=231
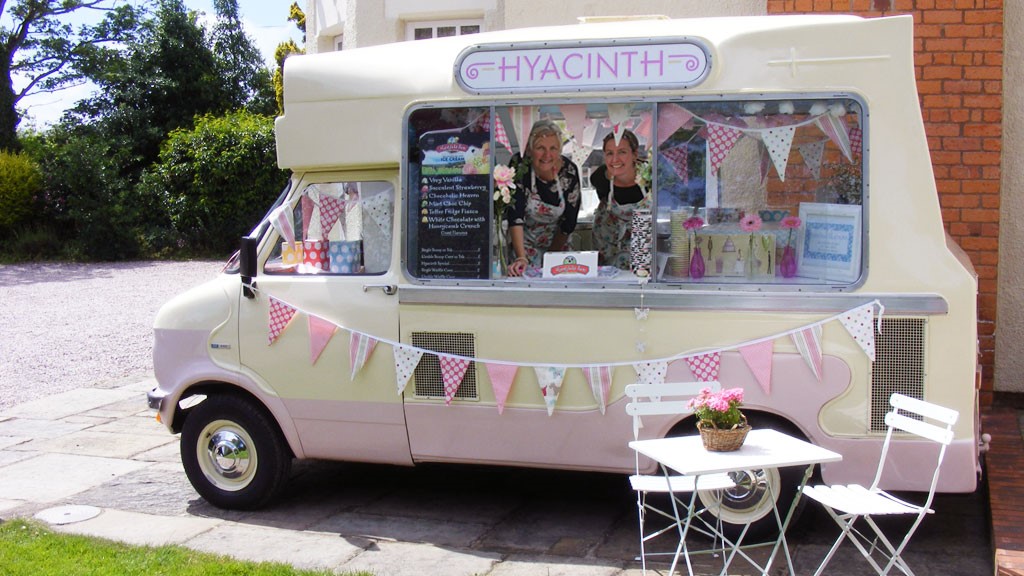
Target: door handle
x=389 y=289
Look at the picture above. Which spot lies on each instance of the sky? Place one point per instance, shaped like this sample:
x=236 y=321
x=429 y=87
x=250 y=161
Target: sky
x=265 y=21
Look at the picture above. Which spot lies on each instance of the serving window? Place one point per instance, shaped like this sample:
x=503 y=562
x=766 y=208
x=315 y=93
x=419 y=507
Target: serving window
x=737 y=192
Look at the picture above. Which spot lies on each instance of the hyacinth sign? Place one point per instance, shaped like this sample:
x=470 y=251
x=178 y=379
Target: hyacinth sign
x=582 y=66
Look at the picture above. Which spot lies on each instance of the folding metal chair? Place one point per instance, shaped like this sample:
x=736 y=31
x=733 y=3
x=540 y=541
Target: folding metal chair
x=847 y=504
x=667 y=399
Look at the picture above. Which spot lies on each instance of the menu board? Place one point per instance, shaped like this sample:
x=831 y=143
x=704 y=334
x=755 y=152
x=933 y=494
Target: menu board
x=454 y=207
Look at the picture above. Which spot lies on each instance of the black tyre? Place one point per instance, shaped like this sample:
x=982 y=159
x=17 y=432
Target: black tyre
x=233 y=453
x=750 y=501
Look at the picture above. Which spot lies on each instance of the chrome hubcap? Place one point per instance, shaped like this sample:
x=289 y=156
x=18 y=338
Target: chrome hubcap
x=229 y=454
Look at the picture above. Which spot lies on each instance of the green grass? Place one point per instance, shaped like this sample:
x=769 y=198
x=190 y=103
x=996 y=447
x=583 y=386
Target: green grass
x=30 y=548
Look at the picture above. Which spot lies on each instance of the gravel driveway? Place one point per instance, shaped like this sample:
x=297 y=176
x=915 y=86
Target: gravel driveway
x=66 y=326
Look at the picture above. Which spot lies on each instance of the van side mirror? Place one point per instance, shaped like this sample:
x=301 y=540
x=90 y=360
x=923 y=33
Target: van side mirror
x=247 y=265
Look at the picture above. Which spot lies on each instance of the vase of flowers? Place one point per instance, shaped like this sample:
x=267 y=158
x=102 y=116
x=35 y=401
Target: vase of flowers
x=504 y=196
x=722 y=426
x=787 y=266
x=691 y=225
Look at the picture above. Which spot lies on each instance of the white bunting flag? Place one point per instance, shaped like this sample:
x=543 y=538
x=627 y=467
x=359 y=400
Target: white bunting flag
x=860 y=323
x=281 y=219
x=359 y=350
x=280 y=315
x=550 y=380
x=320 y=333
x=407 y=359
x=779 y=141
x=835 y=129
x=808 y=342
x=651 y=372
x=600 y=379
x=617 y=115
x=501 y=376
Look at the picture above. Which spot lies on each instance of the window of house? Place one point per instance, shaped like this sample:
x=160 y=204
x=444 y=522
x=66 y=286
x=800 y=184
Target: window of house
x=441 y=29
x=335 y=228
x=765 y=192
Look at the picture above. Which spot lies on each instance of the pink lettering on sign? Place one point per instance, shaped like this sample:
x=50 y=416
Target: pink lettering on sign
x=598 y=67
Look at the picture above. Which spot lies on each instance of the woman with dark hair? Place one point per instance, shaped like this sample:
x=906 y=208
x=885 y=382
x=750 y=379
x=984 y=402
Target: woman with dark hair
x=621 y=190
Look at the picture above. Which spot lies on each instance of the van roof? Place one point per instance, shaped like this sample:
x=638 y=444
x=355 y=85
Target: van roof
x=364 y=93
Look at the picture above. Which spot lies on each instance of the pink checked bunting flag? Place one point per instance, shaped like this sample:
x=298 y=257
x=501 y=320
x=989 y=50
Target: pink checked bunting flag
x=500 y=136
x=550 y=380
x=808 y=342
x=860 y=323
x=600 y=379
x=501 y=376
x=453 y=369
x=721 y=139
x=331 y=209
x=705 y=366
x=758 y=357
x=320 y=333
x=406 y=360
x=280 y=315
x=360 y=346
x=677 y=158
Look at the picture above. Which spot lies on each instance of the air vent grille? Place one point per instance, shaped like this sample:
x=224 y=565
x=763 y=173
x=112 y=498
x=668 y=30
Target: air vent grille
x=429 y=383
x=899 y=364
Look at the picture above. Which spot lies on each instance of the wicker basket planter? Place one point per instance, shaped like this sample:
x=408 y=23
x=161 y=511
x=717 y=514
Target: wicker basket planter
x=722 y=440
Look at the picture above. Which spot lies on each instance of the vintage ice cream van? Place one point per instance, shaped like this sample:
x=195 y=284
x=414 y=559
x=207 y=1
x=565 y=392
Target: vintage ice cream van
x=788 y=242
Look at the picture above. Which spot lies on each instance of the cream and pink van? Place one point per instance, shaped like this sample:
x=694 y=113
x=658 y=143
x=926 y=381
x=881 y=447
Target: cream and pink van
x=369 y=318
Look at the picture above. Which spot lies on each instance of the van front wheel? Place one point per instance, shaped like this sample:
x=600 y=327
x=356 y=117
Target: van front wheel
x=233 y=453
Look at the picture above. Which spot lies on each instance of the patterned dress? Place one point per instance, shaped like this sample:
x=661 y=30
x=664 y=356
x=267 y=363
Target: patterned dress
x=613 y=224
x=542 y=220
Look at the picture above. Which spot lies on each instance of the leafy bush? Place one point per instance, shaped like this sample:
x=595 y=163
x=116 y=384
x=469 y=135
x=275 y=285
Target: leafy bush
x=84 y=194
x=20 y=184
x=216 y=180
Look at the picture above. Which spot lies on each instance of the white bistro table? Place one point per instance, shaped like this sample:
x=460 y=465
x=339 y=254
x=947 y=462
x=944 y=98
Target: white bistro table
x=762 y=449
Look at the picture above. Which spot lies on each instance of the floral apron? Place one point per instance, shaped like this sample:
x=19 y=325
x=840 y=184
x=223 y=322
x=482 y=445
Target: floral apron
x=542 y=224
x=613 y=225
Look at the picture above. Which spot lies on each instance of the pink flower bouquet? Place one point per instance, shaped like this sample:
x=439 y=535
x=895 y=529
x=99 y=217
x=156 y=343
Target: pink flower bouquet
x=720 y=408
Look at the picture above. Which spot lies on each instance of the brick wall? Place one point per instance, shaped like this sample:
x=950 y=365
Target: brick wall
x=959 y=58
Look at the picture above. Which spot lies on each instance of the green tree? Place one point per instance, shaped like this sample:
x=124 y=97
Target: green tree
x=286 y=49
x=217 y=179
x=247 y=80
x=36 y=44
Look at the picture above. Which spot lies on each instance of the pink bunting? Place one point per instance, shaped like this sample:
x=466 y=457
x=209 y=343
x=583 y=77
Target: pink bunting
x=671 y=117
x=281 y=219
x=453 y=369
x=835 y=129
x=705 y=366
x=678 y=158
x=808 y=342
x=501 y=376
x=307 y=214
x=721 y=139
x=600 y=379
x=360 y=347
x=331 y=210
x=320 y=333
x=575 y=119
x=280 y=315
x=856 y=141
x=500 y=136
x=758 y=357
x=643 y=129
x=812 y=154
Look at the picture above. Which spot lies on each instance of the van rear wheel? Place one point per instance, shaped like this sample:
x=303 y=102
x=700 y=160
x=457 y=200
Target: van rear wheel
x=233 y=453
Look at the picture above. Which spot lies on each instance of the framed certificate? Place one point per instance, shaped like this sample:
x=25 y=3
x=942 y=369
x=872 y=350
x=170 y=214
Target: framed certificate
x=829 y=249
